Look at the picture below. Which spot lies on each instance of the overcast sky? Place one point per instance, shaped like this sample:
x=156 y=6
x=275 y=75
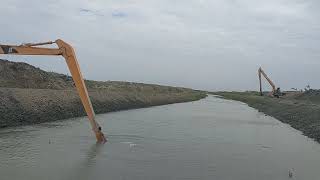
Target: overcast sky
x=203 y=44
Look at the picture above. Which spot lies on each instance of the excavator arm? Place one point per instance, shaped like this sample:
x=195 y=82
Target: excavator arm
x=260 y=71
x=68 y=53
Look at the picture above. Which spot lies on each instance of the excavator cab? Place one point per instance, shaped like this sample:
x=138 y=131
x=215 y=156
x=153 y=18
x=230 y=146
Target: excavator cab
x=277 y=93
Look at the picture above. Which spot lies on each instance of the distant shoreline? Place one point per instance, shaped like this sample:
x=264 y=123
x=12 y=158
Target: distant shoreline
x=302 y=111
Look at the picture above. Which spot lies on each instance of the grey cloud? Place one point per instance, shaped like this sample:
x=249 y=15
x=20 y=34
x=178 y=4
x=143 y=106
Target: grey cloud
x=90 y=12
x=207 y=44
x=119 y=14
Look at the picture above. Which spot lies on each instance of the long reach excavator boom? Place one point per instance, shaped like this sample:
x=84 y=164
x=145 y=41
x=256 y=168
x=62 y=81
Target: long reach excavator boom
x=275 y=92
x=68 y=53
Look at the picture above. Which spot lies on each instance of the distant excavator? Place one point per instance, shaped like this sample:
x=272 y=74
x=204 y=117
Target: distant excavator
x=68 y=53
x=275 y=91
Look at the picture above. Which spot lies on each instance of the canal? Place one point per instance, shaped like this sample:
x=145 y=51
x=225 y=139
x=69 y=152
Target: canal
x=208 y=139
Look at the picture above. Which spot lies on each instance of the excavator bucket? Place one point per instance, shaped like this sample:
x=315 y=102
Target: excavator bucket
x=74 y=68
x=68 y=53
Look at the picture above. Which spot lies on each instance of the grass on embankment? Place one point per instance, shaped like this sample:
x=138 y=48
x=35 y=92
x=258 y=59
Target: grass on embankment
x=299 y=111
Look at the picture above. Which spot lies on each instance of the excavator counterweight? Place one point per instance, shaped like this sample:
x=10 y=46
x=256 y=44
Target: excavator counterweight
x=68 y=53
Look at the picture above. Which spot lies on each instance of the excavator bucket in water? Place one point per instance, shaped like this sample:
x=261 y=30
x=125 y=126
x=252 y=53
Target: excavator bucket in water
x=68 y=53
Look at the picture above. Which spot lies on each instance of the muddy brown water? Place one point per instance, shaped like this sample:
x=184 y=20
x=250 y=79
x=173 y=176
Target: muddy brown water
x=207 y=139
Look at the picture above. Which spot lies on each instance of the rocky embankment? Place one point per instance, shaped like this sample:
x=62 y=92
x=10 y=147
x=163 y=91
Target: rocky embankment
x=29 y=95
x=300 y=110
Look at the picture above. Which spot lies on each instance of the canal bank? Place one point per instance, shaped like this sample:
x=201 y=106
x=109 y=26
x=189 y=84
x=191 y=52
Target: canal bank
x=29 y=95
x=33 y=106
x=301 y=111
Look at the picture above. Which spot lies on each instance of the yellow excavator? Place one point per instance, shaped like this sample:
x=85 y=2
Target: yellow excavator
x=275 y=91
x=66 y=51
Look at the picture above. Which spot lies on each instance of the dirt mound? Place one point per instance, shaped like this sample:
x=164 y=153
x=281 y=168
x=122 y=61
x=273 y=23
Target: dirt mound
x=312 y=95
x=29 y=95
x=23 y=75
x=312 y=92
